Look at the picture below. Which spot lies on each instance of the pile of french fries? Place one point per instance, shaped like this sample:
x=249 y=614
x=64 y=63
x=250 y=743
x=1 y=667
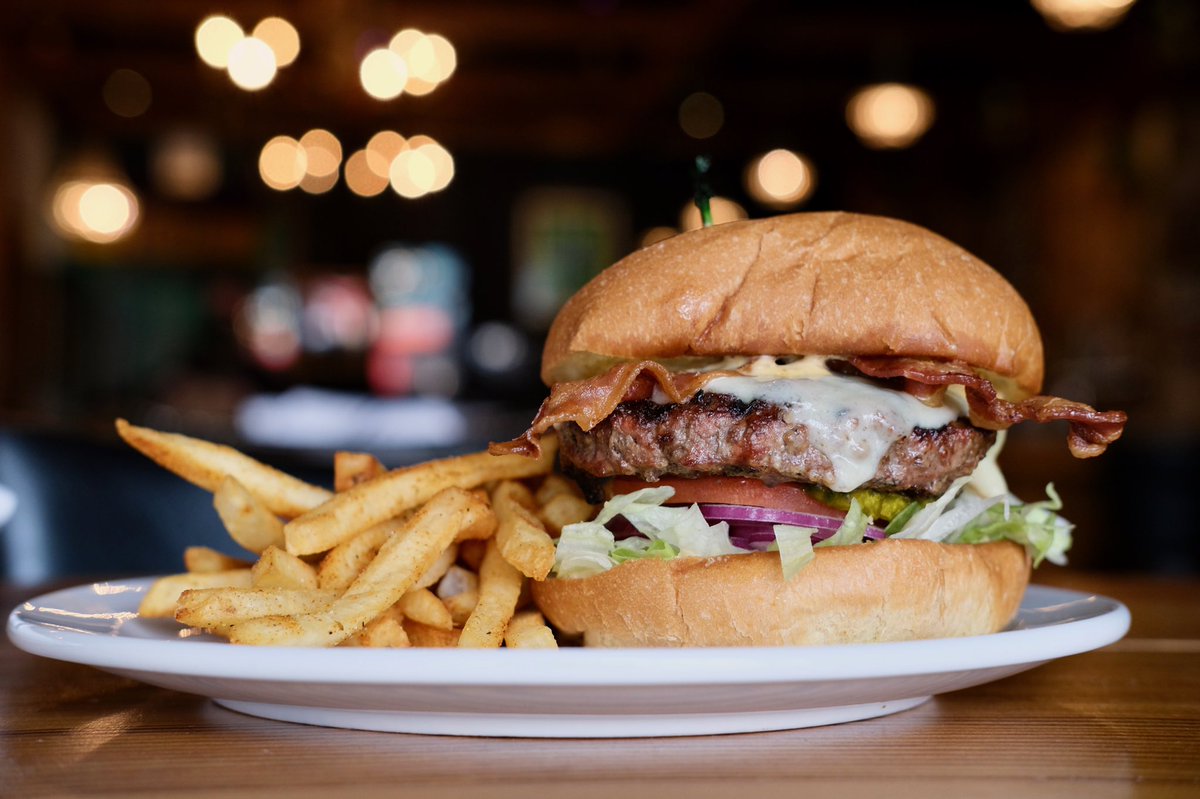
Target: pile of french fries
x=436 y=554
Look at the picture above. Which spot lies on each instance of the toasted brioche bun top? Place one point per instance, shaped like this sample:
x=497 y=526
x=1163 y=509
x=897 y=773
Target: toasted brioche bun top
x=834 y=284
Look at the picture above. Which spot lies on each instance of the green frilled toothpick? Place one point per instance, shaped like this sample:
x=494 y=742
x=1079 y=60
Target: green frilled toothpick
x=703 y=189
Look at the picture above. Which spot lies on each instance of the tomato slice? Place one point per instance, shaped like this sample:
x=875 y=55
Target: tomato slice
x=731 y=491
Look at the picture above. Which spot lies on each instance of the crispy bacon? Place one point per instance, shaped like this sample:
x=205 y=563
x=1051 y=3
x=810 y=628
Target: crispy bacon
x=589 y=402
x=1091 y=431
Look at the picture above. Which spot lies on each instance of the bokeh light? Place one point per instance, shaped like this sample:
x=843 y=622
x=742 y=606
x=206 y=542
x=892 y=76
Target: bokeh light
x=252 y=64
x=412 y=174
x=318 y=184
x=383 y=74
x=127 y=93
x=361 y=178
x=780 y=179
x=186 y=165
x=1067 y=15
x=101 y=212
x=281 y=36
x=322 y=151
x=215 y=38
x=382 y=149
x=723 y=210
x=701 y=115
x=890 y=115
x=282 y=163
x=430 y=59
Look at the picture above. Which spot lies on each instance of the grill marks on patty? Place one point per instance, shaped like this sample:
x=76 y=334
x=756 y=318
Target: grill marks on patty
x=715 y=434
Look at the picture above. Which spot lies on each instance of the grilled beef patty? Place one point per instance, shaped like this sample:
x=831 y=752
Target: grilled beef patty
x=715 y=434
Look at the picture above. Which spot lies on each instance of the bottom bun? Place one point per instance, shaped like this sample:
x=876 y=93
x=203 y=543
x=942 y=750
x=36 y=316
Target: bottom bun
x=886 y=591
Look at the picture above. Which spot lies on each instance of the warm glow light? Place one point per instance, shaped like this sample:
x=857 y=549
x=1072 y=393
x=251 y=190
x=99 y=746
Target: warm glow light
x=99 y=212
x=323 y=151
x=723 y=210
x=889 y=115
x=318 y=184
x=215 y=38
x=361 y=178
x=127 y=93
x=413 y=174
x=780 y=179
x=701 y=115
x=447 y=58
x=430 y=59
x=252 y=64
x=281 y=37
x=382 y=149
x=443 y=164
x=1064 y=15
x=186 y=165
x=283 y=163
x=383 y=74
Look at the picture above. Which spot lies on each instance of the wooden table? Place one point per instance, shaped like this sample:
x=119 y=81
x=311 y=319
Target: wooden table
x=1122 y=721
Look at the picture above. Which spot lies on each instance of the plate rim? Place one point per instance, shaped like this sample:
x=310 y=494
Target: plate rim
x=584 y=667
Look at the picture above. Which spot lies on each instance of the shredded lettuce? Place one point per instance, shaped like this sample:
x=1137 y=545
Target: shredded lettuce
x=852 y=529
x=1035 y=525
x=795 y=547
x=589 y=548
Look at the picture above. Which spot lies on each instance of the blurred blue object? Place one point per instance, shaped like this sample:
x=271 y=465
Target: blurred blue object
x=96 y=509
x=8 y=504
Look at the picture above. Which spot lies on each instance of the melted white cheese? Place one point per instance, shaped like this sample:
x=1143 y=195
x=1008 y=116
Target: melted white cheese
x=852 y=421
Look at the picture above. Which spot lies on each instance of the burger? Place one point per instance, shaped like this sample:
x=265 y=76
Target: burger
x=790 y=429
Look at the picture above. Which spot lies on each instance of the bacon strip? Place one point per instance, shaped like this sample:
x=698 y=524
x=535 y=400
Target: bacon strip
x=1091 y=431
x=589 y=402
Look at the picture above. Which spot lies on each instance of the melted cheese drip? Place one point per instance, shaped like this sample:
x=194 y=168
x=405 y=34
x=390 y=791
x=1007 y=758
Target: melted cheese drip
x=852 y=421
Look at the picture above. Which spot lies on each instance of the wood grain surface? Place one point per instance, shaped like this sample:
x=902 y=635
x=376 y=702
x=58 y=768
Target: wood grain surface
x=1122 y=721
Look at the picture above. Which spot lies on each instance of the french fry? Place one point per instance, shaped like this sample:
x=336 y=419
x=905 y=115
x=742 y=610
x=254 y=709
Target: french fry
x=423 y=605
x=470 y=554
x=247 y=520
x=556 y=485
x=520 y=535
x=528 y=630
x=206 y=464
x=457 y=580
x=424 y=635
x=201 y=560
x=460 y=606
x=159 y=602
x=564 y=509
x=276 y=568
x=352 y=468
x=402 y=489
x=220 y=607
x=499 y=588
x=402 y=559
x=342 y=564
x=384 y=631
x=439 y=568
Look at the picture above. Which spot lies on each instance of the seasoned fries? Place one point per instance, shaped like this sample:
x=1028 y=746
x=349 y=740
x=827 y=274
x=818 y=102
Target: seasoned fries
x=159 y=602
x=393 y=493
x=204 y=559
x=433 y=555
x=520 y=535
x=402 y=559
x=246 y=518
x=499 y=589
x=278 y=569
x=206 y=465
x=352 y=468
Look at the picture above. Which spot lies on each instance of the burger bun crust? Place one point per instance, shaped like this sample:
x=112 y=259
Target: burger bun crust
x=835 y=284
x=892 y=590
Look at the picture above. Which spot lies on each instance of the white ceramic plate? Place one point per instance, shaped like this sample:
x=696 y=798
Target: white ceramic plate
x=570 y=692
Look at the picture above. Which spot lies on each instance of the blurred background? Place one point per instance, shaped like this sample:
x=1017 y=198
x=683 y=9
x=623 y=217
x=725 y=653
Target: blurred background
x=316 y=225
